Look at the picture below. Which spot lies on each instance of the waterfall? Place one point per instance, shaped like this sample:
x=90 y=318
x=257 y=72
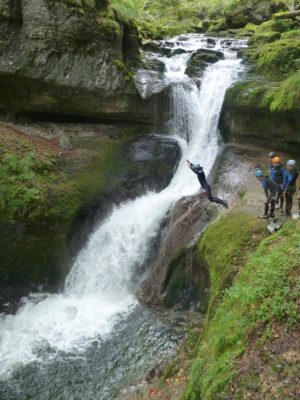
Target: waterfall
x=101 y=286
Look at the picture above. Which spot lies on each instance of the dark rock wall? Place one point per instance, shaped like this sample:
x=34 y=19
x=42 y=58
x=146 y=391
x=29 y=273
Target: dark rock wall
x=57 y=57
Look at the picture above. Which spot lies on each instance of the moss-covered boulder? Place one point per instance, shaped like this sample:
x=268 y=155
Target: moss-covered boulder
x=201 y=59
x=263 y=112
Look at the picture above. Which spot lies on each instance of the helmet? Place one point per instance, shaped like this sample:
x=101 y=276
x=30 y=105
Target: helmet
x=291 y=163
x=259 y=173
x=276 y=160
x=272 y=154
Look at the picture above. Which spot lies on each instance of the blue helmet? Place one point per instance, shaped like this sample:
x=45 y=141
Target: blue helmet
x=259 y=173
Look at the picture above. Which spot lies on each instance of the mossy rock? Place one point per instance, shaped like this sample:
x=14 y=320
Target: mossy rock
x=258 y=111
x=218 y=26
x=201 y=59
x=265 y=38
x=275 y=26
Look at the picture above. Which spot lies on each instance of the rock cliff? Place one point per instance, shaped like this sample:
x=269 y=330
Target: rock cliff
x=245 y=118
x=61 y=57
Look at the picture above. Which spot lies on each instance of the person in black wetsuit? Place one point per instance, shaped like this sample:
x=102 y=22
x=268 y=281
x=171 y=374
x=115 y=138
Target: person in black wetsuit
x=198 y=170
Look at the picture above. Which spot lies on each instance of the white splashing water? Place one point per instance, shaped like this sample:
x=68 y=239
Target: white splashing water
x=102 y=283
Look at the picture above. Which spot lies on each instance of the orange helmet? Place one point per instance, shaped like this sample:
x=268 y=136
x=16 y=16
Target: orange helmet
x=276 y=160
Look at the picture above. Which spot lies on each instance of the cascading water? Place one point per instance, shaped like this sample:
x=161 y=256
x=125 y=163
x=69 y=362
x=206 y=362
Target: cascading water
x=98 y=305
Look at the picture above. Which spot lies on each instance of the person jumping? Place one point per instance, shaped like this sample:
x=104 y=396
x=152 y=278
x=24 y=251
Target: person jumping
x=198 y=170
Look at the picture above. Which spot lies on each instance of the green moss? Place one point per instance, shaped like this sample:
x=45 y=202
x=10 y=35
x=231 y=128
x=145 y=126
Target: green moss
x=279 y=58
x=294 y=34
x=275 y=96
x=127 y=74
x=265 y=38
x=224 y=246
x=275 y=26
x=248 y=94
x=265 y=290
x=286 y=96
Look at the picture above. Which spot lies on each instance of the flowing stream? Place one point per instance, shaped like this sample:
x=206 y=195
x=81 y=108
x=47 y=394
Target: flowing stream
x=95 y=337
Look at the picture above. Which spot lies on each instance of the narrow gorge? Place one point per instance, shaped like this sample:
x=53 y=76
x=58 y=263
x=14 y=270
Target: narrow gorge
x=116 y=271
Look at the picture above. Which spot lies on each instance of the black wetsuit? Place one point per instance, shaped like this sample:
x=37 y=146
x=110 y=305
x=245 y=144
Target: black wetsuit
x=289 y=188
x=205 y=186
x=271 y=189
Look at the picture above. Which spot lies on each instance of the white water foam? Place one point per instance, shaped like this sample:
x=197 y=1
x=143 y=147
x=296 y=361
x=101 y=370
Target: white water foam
x=102 y=283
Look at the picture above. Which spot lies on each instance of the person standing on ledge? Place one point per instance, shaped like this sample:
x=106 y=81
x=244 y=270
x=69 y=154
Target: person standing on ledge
x=271 y=189
x=289 y=185
x=278 y=175
x=198 y=170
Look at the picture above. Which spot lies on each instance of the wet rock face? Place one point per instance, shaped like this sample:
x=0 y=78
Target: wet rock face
x=168 y=282
x=56 y=58
x=187 y=283
x=156 y=159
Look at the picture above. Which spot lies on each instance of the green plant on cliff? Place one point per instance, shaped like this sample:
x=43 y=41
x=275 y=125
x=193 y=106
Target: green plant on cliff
x=286 y=96
x=129 y=11
x=127 y=74
x=21 y=180
x=279 y=58
x=264 y=292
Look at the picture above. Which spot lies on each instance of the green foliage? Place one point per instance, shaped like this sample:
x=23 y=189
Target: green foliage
x=265 y=38
x=130 y=11
x=34 y=185
x=264 y=291
x=224 y=246
x=275 y=48
x=170 y=17
x=127 y=74
x=275 y=26
x=21 y=179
